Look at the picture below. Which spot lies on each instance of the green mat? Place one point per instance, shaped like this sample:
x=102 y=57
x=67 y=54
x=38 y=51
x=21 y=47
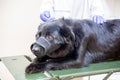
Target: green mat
x=17 y=64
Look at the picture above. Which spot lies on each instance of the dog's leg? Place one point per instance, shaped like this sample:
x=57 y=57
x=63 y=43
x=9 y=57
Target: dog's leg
x=33 y=68
x=37 y=65
x=82 y=50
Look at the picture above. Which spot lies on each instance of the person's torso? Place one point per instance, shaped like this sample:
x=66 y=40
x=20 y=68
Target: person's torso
x=72 y=8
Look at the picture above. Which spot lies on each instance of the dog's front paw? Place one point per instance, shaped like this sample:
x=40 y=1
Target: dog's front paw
x=54 y=66
x=33 y=68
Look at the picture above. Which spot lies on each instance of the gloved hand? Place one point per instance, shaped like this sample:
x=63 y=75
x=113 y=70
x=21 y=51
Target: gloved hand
x=45 y=16
x=98 y=19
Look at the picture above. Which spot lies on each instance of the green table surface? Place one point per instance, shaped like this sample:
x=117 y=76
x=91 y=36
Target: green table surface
x=17 y=64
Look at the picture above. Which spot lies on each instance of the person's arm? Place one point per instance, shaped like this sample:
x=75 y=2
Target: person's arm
x=47 y=10
x=97 y=11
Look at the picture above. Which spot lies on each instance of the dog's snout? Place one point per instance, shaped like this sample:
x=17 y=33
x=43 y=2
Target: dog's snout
x=37 y=50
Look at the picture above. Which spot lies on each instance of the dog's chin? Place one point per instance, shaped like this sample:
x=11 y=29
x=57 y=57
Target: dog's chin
x=39 y=55
x=54 y=55
x=61 y=52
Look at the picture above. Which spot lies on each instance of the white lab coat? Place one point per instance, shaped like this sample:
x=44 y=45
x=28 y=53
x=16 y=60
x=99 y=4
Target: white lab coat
x=78 y=9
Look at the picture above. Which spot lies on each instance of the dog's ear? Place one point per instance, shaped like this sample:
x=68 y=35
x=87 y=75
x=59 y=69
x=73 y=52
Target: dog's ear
x=67 y=34
x=71 y=37
x=66 y=30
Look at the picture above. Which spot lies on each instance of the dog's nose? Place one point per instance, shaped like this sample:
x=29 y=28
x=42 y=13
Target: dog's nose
x=35 y=48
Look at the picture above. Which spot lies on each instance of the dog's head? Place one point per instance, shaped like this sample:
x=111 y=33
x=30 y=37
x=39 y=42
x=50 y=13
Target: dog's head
x=54 y=39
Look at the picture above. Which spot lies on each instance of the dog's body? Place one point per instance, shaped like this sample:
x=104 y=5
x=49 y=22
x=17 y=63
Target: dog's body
x=74 y=44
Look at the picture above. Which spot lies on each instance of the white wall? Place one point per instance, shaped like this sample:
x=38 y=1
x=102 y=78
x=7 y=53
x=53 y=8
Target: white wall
x=19 y=20
x=114 y=7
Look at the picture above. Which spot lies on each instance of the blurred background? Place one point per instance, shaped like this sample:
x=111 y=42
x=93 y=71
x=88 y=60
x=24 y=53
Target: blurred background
x=19 y=20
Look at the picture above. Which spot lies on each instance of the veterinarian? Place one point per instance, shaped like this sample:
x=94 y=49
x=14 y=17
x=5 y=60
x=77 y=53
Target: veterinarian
x=78 y=9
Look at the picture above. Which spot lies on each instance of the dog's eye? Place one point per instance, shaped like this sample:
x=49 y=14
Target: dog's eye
x=49 y=37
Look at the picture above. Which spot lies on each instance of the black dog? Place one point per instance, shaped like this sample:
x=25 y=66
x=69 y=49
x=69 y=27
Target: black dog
x=67 y=43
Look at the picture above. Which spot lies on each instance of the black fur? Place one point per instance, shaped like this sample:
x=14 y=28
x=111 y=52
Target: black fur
x=82 y=42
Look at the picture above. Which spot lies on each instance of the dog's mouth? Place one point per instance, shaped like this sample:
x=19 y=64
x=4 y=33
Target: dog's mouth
x=44 y=43
x=37 y=50
x=43 y=47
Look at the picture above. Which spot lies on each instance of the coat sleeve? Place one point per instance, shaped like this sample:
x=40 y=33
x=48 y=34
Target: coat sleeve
x=47 y=5
x=96 y=7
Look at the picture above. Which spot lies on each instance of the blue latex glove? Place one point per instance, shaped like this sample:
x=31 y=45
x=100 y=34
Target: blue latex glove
x=98 y=19
x=45 y=16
